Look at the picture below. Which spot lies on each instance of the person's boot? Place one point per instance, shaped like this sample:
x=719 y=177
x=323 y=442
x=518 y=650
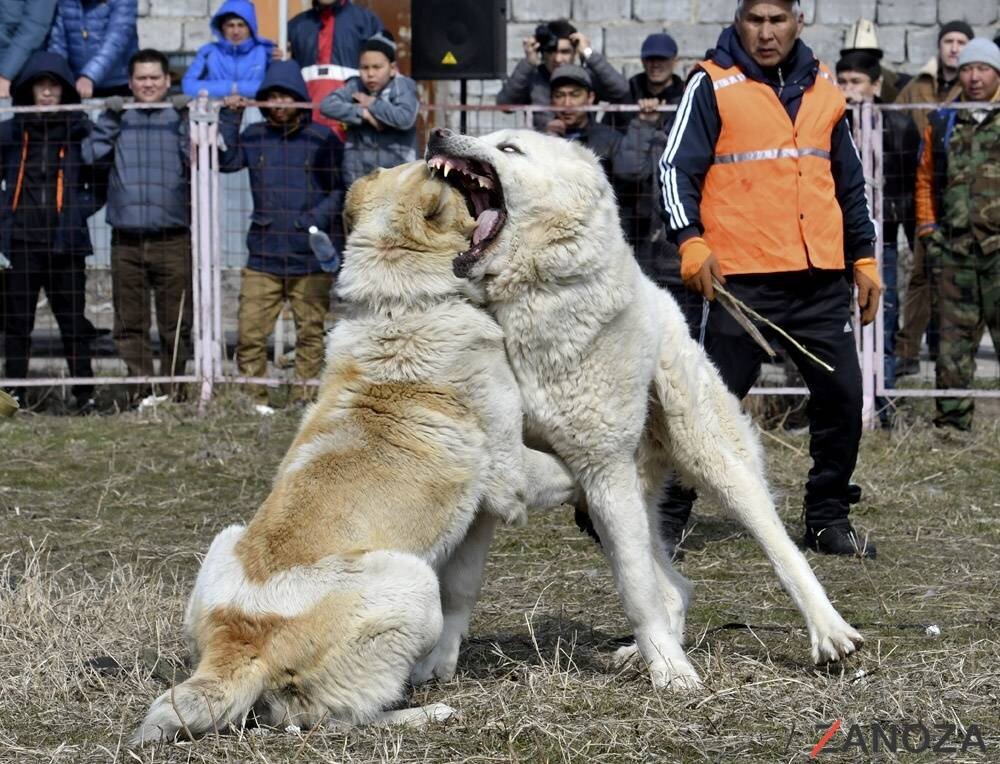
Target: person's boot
x=839 y=539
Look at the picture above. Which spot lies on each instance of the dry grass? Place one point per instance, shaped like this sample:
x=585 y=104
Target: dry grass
x=104 y=520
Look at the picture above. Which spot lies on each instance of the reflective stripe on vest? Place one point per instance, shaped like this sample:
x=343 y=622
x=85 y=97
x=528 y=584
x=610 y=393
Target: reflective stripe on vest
x=769 y=200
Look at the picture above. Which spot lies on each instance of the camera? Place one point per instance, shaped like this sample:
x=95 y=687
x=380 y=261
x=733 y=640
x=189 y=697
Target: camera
x=547 y=40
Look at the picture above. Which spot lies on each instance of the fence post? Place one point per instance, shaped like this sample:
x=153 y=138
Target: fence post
x=204 y=118
x=867 y=333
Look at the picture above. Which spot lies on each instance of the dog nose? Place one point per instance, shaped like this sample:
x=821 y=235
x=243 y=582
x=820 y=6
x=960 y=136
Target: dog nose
x=441 y=132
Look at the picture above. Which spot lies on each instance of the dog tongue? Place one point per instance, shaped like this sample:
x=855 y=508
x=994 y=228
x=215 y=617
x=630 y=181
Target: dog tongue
x=484 y=225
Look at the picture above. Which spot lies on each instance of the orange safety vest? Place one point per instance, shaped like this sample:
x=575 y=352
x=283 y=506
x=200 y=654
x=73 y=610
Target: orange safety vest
x=768 y=202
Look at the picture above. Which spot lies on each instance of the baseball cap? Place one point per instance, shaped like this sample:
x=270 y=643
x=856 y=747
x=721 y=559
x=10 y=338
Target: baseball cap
x=571 y=73
x=659 y=45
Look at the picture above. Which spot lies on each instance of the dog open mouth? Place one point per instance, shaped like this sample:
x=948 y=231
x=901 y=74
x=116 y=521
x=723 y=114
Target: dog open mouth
x=483 y=193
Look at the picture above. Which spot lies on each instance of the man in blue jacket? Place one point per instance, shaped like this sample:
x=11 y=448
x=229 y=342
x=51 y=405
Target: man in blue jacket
x=24 y=25
x=326 y=42
x=97 y=37
x=44 y=207
x=236 y=61
x=149 y=214
x=295 y=181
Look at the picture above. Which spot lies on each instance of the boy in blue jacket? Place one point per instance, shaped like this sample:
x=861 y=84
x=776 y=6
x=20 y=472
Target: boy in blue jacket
x=379 y=108
x=295 y=182
x=47 y=198
x=236 y=62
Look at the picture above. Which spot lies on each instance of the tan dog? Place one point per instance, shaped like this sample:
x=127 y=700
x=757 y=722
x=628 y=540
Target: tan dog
x=329 y=599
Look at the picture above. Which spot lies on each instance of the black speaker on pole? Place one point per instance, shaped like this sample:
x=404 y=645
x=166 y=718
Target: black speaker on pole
x=458 y=39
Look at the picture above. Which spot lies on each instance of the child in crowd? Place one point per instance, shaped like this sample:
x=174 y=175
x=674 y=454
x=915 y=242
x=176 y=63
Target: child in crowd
x=236 y=62
x=379 y=108
x=295 y=181
x=44 y=207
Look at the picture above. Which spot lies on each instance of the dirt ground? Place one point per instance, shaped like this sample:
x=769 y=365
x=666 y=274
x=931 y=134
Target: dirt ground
x=104 y=520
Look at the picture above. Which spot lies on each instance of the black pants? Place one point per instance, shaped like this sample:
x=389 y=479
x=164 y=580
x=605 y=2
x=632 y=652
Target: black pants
x=815 y=309
x=63 y=279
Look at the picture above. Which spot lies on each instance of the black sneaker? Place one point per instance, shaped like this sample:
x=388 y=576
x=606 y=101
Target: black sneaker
x=839 y=539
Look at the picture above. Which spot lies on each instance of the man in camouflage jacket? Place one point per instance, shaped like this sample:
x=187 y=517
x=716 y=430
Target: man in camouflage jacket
x=958 y=218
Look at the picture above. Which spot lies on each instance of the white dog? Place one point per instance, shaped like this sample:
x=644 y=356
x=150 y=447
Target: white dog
x=610 y=379
x=329 y=599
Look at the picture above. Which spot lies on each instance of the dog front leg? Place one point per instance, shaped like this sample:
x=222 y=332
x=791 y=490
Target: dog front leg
x=460 y=578
x=618 y=513
x=548 y=482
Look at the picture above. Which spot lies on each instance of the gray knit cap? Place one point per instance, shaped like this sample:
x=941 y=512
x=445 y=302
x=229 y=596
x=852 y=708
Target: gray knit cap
x=980 y=51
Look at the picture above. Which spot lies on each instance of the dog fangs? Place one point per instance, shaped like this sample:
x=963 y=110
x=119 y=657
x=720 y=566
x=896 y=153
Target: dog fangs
x=446 y=165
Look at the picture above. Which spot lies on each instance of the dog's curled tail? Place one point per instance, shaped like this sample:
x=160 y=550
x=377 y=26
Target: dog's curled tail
x=206 y=702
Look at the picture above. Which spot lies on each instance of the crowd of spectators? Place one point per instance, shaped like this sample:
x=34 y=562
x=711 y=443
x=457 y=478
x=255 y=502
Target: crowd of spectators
x=60 y=168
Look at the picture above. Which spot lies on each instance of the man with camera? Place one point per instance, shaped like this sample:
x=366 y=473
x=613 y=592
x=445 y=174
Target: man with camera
x=552 y=45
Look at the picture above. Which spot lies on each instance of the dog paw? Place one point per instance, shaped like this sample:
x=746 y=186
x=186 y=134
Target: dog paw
x=626 y=655
x=439 y=664
x=418 y=717
x=676 y=675
x=835 y=643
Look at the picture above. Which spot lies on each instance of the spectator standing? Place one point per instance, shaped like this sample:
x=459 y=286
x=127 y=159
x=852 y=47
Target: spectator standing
x=295 y=181
x=764 y=191
x=379 y=107
x=862 y=37
x=98 y=38
x=235 y=63
x=43 y=220
x=656 y=82
x=24 y=25
x=326 y=42
x=958 y=214
x=149 y=213
x=859 y=78
x=937 y=82
x=553 y=45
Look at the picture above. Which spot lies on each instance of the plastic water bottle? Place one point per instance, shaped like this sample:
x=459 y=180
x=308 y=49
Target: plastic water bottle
x=322 y=247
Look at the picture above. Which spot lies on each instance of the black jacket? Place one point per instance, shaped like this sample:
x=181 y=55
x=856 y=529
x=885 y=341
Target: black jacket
x=638 y=87
x=691 y=145
x=48 y=192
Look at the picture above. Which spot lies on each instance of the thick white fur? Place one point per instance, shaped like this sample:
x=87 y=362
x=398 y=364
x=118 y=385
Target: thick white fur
x=323 y=606
x=610 y=379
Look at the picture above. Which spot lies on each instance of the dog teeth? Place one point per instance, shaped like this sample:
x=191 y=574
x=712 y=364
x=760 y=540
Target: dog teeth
x=447 y=168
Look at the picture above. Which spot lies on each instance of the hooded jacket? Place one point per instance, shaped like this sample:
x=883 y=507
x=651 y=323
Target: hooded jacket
x=222 y=68
x=24 y=25
x=690 y=150
x=366 y=148
x=97 y=37
x=352 y=26
x=295 y=180
x=48 y=193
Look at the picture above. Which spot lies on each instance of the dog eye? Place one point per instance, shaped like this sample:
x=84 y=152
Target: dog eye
x=509 y=148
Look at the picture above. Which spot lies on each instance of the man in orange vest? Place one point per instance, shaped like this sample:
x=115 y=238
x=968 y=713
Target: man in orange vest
x=763 y=190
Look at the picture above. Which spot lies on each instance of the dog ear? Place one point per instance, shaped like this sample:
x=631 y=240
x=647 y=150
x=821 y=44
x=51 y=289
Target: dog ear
x=433 y=197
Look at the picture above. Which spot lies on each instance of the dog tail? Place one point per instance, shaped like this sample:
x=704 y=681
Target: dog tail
x=210 y=700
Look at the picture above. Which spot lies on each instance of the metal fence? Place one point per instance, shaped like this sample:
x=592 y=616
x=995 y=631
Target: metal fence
x=221 y=209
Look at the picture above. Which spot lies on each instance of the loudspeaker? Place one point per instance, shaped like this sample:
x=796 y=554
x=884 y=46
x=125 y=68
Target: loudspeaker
x=459 y=39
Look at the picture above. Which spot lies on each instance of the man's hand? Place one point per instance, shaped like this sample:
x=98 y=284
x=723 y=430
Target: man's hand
x=532 y=50
x=4 y=87
x=556 y=127
x=114 y=104
x=699 y=266
x=234 y=102
x=869 y=285
x=364 y=99
x=85 y=87
x=367 y=117
x=580 y=42
x=648 y=109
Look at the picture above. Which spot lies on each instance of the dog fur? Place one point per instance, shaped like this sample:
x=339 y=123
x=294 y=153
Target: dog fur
x=610 y=379
x=363 y=564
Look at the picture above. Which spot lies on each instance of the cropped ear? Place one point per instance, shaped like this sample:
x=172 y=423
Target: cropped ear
x=356 y=196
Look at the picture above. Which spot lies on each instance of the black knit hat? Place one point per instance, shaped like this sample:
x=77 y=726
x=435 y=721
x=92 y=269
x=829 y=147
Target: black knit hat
x=381 y=42
x=956 y=26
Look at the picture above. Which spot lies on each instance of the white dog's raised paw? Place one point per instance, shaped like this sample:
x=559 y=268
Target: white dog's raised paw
x=836 y=643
